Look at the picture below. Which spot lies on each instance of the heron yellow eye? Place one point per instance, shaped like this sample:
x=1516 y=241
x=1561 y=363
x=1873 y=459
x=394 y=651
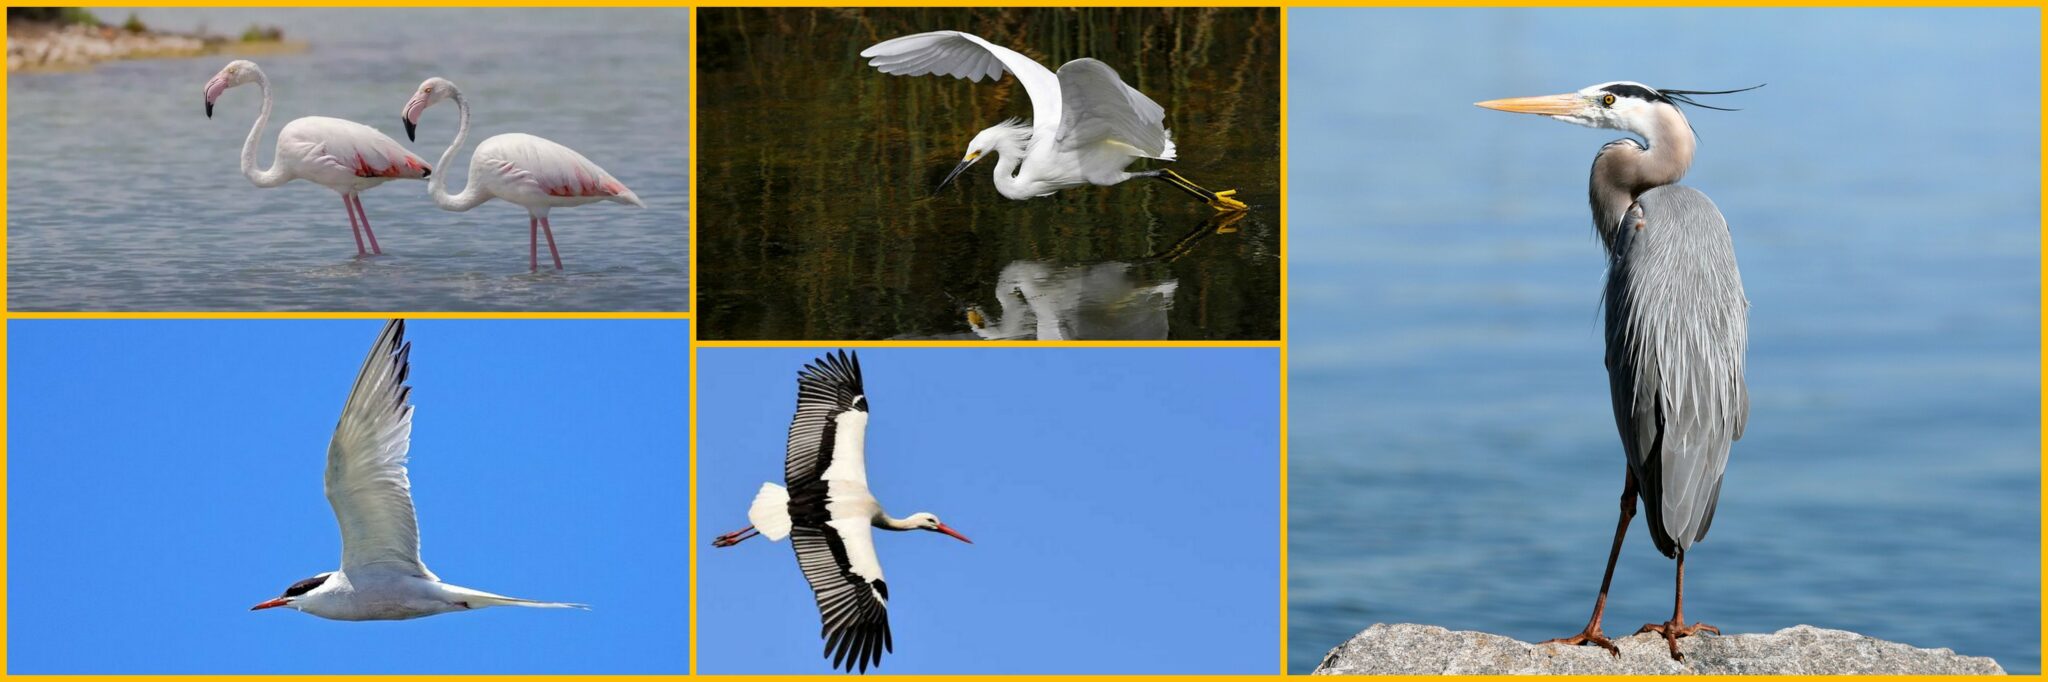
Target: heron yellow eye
x=1607 y=101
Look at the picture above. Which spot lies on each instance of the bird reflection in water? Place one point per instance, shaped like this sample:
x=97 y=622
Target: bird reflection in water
x=1103 y=300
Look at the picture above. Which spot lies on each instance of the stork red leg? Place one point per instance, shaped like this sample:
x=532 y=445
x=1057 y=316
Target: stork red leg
x=550 y=232
x=533 y=243
x=353 y=227
x=358 y=199
x=1592 y=634
x=1676 y=627
x=735 y=537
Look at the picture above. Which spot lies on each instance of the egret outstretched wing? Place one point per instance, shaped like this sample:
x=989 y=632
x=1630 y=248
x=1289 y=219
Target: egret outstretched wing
x=366 y=478
x=1099 y=108
x=964 y=55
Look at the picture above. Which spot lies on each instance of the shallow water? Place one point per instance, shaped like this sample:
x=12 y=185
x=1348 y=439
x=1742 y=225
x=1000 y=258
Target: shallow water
x=124 y=196
x=1453 y=450
x=821 y=222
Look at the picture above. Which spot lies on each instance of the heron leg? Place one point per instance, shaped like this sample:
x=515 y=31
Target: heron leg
x=1220 y=201
x=533 y=243
x=354 y=228
x=550 y=232
x=1592 y=634
x=358 y=199
x=1677 y=628
x=735 y=537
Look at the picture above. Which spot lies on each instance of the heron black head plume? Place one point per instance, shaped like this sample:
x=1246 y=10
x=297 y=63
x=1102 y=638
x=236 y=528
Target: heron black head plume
x=1685 y=96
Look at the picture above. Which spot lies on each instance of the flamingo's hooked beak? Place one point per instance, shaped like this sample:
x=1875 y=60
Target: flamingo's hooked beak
x=274 y=603
x=213 y=89
x=957 y=170
x=411 y=115
x=943 y=528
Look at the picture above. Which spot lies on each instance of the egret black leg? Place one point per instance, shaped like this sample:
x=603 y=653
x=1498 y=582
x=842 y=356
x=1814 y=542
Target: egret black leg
x=1220 y=201
x=1592 y=634
x=1677 y=627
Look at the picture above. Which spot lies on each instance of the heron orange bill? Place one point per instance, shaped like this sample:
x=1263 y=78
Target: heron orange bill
x=274 y=603
x=943 y=528
x=1547 y=105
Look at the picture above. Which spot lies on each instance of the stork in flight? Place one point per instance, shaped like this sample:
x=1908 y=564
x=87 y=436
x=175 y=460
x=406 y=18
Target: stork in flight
x=827 y=510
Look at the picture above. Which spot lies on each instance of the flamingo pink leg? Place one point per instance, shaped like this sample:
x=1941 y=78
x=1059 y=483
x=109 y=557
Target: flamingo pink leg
x=550 y=232
x=533 y=243
x=366 y=225
x=353 y=227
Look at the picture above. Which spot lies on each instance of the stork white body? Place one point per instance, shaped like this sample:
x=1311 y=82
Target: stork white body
x=343 y=156
x=381 y=575
x=827 y=512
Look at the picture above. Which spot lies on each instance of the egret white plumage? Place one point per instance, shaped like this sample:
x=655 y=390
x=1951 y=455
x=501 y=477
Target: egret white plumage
x=533 y=172
x=1677 y=323
x=827 y=511
x=343 y=156
x=1086 y=125
x=381 y=575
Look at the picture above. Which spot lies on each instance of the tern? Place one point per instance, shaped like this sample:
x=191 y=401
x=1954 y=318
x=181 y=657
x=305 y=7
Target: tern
x=381 y=575
x=827 y=511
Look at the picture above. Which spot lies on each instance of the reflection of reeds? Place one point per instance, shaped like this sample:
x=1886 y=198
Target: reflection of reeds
x=818 y=218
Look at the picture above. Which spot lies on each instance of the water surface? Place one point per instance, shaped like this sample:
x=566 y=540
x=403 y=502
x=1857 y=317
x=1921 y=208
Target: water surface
x=1453 y=450
x=821 y=222
x=124 y=196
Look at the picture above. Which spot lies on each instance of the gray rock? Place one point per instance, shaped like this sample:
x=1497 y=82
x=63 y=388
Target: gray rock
x=1409 y=649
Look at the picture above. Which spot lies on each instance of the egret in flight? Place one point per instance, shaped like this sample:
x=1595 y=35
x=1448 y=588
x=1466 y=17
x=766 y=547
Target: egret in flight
x=1677 y=323
x=1086 y=125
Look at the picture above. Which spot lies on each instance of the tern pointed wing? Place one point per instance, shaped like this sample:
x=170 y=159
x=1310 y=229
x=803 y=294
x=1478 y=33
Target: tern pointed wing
x=828 y=435
x=964 y=55
x=366 y=480
x=1099 y=108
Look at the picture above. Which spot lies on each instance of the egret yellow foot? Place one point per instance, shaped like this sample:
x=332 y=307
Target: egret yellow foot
x=1220 y=201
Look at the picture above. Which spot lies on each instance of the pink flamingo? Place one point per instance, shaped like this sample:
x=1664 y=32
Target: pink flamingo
x=343 y=156
x=523 y=169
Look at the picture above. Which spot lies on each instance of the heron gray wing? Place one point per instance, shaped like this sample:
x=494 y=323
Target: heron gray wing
x=366 y=479
x=1677 y=333
x=968 y=56
x=1099 y=108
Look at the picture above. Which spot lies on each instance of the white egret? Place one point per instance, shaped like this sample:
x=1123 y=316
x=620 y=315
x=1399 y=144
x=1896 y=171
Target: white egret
x=1087 y=125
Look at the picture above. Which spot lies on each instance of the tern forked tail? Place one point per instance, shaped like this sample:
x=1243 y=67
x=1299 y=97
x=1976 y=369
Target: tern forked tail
x=477 y=599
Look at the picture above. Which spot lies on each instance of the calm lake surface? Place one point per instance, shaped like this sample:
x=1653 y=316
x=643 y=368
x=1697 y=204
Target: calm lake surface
x=821 y=223
x=1453 y=450
x=124 y=196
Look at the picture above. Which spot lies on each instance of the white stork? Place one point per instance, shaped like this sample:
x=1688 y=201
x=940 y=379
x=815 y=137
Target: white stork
x=827 y=510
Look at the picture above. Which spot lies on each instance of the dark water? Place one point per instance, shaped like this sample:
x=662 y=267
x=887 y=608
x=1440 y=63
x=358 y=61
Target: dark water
x=124 y=196
x=1453 y=449
x=820 y=222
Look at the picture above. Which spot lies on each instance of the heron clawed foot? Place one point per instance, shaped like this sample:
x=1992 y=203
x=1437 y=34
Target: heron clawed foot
x=1675 y=629
x=1221 y=201
x=1591 y=635
x=735 y=537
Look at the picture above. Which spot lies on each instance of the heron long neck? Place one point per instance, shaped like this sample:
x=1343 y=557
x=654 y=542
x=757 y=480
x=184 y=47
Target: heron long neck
x=437 y=184
x=263 y=178
x=1624 y=170
x=1009 y=156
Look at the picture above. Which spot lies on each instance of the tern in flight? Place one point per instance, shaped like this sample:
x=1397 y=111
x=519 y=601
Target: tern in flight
x=381 y=575
x=827 y=510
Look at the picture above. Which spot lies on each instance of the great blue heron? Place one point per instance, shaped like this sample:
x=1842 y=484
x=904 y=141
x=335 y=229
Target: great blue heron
x=1677 y=323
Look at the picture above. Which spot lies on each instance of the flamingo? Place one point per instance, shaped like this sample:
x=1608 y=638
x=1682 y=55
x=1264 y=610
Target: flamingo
x=827 y=510
x=344 y=156
x=530 y=171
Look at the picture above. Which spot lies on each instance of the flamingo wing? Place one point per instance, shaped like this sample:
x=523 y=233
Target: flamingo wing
x=555 y=170
x=352 y=147
x=1101 y=109
x=366 y=478
x=965 y=55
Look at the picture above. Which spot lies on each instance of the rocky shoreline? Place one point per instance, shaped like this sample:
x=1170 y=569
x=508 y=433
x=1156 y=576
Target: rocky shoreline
x=69 y=38
x=1410 y=649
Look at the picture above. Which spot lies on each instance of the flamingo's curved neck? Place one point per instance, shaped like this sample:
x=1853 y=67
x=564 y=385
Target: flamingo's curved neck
x=437 y=184
x=263 y=178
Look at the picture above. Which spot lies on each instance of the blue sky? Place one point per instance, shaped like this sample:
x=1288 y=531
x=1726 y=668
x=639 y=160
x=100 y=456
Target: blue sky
x=164 y=476
x=1159 y=469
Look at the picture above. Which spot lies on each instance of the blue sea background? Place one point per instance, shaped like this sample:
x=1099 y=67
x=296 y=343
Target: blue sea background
x=1454 y=459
